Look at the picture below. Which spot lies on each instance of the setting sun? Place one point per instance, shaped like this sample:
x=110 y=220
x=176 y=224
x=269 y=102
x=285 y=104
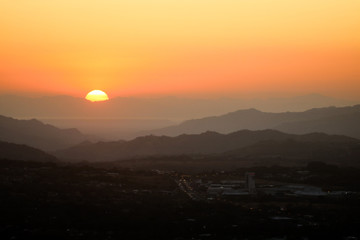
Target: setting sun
x=97 y=96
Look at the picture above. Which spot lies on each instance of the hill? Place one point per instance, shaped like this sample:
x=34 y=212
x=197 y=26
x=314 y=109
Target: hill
x=37 y=134
x=344 y=124
x=292 y=149
x=332 y=120
x=205 y=143
x=129 y=117
x=11 y=151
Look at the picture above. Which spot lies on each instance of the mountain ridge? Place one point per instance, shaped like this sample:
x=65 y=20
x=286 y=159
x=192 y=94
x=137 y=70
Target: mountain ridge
x=37 y=134
x=12 y=151
x=253 y=119
x=204 y=143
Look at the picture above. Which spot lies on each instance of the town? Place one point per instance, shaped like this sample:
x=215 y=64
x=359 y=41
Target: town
x=48 y=198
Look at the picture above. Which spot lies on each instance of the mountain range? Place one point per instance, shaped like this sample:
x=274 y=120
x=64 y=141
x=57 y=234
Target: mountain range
x=331 y=120
x=261 y=146
x=12 y=151
x=37 y=134
x=197 y=144
x=127 y=118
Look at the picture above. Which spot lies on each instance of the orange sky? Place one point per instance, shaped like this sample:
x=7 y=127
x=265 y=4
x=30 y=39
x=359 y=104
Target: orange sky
x=187 y=47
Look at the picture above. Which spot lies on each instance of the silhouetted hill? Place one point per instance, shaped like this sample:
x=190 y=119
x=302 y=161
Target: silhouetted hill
x=37 y=134
x=330 y=120
x=296 y=149
x=344 y=124
x=129 y=117
x=12 y=151
x=205 y=143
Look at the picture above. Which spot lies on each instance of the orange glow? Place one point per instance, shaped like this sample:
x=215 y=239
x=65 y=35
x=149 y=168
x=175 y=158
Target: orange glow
x=97 y=96
x=162 y=47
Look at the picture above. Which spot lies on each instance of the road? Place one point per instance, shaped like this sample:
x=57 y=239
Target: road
x=185 y=186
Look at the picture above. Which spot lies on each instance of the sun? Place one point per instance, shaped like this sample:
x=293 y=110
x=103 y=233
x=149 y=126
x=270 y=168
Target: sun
x=97 y=96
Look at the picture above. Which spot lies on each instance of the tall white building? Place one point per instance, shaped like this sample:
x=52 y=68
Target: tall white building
x=250 y=182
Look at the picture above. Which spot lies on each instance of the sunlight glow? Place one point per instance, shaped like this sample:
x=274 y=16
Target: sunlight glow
x=97 y=96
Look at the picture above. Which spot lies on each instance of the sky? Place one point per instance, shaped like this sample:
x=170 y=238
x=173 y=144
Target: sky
x=181 y=48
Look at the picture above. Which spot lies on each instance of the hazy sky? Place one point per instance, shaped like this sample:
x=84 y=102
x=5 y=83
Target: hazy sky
x=180 y=47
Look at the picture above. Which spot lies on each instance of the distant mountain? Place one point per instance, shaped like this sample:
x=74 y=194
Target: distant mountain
x=129 y=117
x=344 y=124
x=37 y=134
x=110 y=129
x=289 y=152
x=332 y=120
x=11 y=151
x=205 y=143
x=296 y=149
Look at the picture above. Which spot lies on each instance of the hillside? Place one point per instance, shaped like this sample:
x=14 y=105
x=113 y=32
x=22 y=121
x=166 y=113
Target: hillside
x=330 y=120
x=11 y=151
x=205 y=143
x=344 y=124
x=297 y=149
x=37 y=134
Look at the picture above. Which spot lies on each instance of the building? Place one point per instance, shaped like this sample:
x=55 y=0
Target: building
x=250 y=182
